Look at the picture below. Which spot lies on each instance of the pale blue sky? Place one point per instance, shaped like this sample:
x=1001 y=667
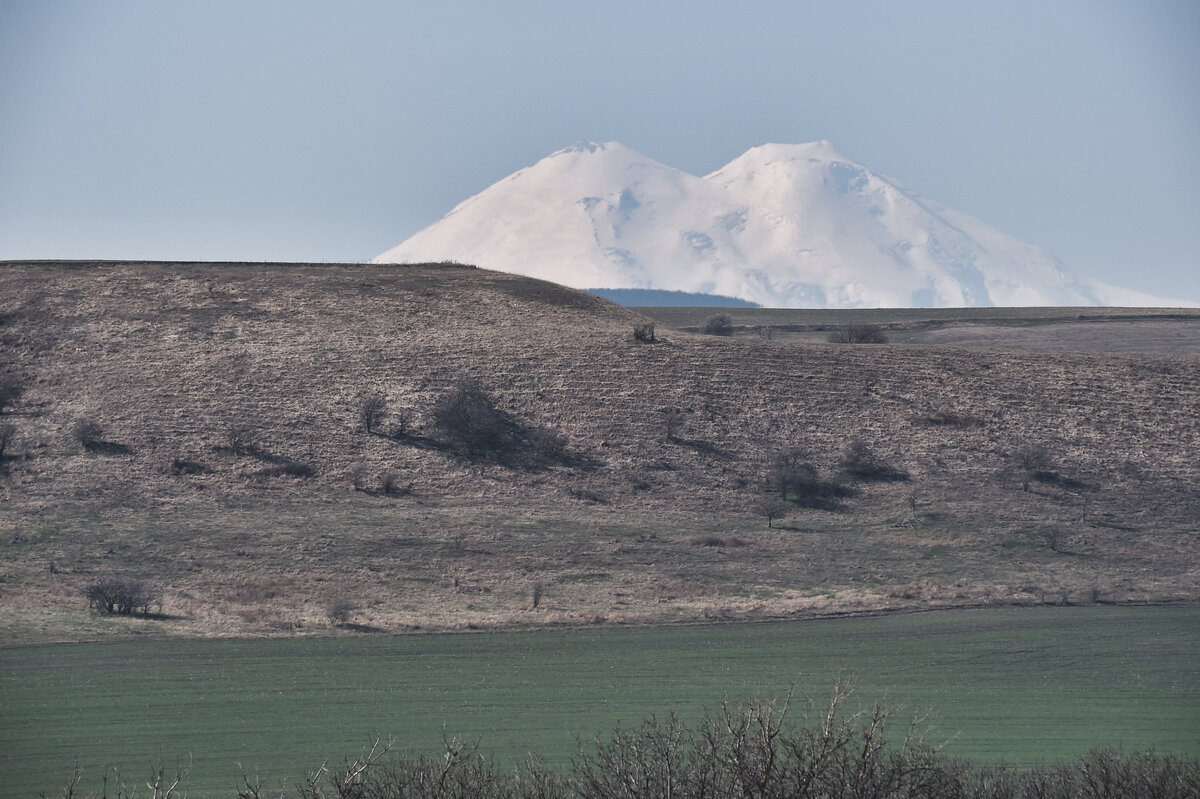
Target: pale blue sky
x=295 y=130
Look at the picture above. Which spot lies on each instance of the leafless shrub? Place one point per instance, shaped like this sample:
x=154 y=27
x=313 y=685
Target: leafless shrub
x=12 y=388
x=88 y=432
x=796 y=479
x=644 y=333
x=358 y=477
x=340 y=610
x=754 y=749
x=767 y=332
x=241 y=438
x=1033 y=462
x=860 y=462
x=538 y=590
x=707 y=541
x=718 y=325
x=858 y=334
x=404 y=422
x=121 y=595
x=372 y=407
x=673 y=419
x=391 y=483
x=470 y=421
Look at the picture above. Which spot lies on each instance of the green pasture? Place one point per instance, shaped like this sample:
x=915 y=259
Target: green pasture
x=1012 y=685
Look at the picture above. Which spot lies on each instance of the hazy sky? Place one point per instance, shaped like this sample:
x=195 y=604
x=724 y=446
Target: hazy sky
x=294 y=130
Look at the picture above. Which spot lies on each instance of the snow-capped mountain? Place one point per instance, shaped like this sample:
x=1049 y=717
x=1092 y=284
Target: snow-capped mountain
x=783 y=225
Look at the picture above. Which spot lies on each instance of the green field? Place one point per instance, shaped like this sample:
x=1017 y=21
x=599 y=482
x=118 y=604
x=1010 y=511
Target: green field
x=1008 y=685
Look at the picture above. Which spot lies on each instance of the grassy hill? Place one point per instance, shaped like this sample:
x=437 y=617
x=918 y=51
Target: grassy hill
x=225 y=444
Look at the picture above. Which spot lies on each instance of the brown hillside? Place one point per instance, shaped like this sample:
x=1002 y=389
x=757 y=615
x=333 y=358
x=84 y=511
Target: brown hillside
x=627 y=525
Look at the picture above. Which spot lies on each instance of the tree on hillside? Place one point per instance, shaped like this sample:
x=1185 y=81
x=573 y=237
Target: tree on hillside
x=468 y=418
x=372 y=407
x=1033 y=462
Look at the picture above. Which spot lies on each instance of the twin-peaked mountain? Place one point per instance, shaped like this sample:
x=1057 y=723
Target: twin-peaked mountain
x=782 y=225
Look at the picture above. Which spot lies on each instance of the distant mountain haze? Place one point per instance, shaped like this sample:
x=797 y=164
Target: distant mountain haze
x=783 y=225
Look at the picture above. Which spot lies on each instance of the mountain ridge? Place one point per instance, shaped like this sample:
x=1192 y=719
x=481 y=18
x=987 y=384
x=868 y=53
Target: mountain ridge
x=782 y=225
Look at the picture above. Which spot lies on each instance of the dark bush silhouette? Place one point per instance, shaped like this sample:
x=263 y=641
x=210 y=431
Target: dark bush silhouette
x=858 y=334
x=644 y=333
x=288 y=468
x=1033 y=462
x=673 y=419
x=121 y=596
x=340 y=610
x=88 y=432
x=719 y=325
x=12 y=388
x=796 y=479
x=469 y=420
x=372 y=407
x=860 y=462
x=8 y=434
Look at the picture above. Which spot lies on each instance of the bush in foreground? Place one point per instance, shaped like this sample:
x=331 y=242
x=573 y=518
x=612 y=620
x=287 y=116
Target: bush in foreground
x=752 y=750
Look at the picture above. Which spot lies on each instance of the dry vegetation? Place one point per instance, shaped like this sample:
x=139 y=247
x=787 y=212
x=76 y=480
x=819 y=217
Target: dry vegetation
x=202 y=426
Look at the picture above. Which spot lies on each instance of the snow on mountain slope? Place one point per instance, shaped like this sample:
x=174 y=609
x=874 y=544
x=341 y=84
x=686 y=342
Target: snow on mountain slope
x=782 y=225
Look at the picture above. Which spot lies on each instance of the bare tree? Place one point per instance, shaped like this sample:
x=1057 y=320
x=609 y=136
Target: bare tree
x=1033 y=462
x=372 y=407
x=644 y=333
x=773 y=507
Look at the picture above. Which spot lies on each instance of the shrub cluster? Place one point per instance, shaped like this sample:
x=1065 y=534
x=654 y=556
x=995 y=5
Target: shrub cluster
x=858 y=334
x=469 y=420
x=644 y=333
x=719 y=325
x=749 y=751
x=121 y=595
x=797 y=480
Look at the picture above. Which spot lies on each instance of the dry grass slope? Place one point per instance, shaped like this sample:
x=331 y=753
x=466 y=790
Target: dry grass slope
x=227 y=397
